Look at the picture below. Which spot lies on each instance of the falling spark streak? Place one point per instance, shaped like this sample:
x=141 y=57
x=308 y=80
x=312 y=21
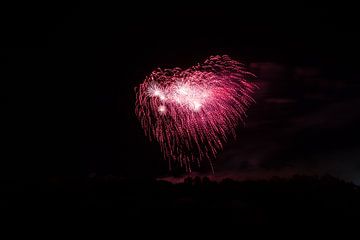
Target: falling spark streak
x=193 y=112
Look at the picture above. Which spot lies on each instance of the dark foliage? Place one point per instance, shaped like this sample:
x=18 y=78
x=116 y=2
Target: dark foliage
x=308 y=199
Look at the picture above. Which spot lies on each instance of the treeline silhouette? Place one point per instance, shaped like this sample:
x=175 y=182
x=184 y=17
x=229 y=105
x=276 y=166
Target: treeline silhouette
x=299 y=198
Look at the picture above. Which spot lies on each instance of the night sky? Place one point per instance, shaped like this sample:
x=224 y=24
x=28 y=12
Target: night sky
x=69 y=72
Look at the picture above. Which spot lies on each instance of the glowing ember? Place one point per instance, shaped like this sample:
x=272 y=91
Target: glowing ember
x=192 y=112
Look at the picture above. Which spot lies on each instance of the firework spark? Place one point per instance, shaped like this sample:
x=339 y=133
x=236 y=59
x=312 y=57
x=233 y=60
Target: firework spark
x=193 y=112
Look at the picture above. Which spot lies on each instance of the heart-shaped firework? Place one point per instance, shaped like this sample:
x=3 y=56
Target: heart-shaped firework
x=192 y=112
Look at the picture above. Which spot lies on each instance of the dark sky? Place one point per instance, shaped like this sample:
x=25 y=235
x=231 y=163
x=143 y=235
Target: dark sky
x=69 y=74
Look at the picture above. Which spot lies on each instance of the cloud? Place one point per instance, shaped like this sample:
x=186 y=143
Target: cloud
x=312 y=132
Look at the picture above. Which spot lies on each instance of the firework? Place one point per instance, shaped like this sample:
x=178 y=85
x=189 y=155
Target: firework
x=193 y=112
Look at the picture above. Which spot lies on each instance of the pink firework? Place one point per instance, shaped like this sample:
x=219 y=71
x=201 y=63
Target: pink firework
x=193 y=112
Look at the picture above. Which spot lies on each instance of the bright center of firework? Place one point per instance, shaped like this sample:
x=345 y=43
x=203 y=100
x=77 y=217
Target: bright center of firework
x=196 y=106
x=192 y=97
x=162 y=109
x=155 y=91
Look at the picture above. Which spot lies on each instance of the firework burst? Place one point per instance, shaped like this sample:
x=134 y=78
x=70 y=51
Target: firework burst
x=192 y=112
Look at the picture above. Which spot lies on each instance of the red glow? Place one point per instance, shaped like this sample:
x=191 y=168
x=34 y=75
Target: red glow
x=192 y=112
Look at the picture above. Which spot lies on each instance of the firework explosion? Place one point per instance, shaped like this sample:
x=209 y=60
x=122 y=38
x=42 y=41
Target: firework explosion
x=193 y=112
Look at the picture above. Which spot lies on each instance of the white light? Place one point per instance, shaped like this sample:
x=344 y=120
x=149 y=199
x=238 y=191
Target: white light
x=183 y=90
x=196 y=106
x=162 y=109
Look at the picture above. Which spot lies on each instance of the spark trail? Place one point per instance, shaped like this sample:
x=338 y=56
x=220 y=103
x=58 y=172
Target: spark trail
x=193 y=112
